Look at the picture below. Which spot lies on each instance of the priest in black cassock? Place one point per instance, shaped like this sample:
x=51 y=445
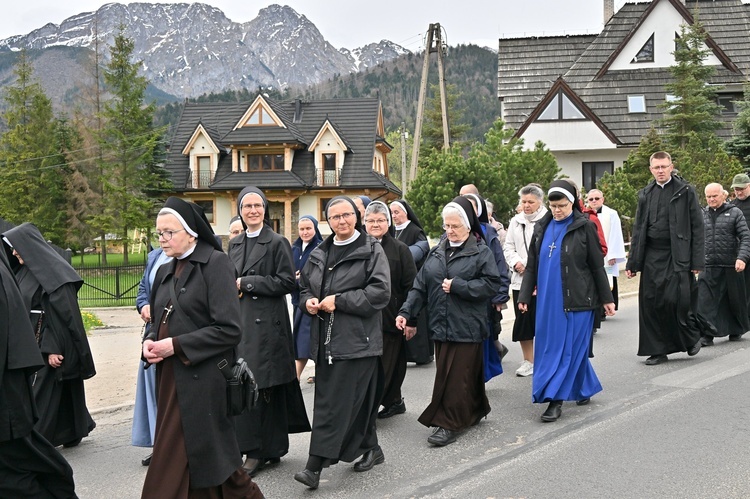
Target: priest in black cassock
x=667 y=248
x=29 y=465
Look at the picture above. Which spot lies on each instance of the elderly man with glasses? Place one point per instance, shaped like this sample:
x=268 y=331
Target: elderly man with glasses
x=667 y=248
x=612 y=229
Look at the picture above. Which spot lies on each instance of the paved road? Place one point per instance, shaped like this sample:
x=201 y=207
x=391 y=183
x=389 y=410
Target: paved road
x=675 y=430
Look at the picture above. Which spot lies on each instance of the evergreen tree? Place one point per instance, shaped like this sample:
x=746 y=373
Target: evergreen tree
x=739 y=145
x=694 y=108
x=128 y=141
x=432 y=126
x=32 y=185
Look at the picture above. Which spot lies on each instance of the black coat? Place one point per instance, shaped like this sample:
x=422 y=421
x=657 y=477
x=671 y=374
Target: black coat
x=727 y=236
x=460 y=315
x=207 y=293
x=414 y=237
x=265 y=279
x=584 y=280
x=403 y=271
x=686 y=229
x=361 y=282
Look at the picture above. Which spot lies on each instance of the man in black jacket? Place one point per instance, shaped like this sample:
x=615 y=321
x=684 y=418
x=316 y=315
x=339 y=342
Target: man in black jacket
x=741 y=188
x=721 y=288
x=667 y=247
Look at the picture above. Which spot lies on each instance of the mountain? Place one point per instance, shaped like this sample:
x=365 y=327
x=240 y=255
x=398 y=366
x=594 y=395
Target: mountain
x=192 y=49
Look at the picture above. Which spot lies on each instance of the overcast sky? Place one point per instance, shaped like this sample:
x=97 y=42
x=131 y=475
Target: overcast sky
x=353 y=23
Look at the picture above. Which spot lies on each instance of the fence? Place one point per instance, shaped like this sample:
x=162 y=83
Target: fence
x=109 y=286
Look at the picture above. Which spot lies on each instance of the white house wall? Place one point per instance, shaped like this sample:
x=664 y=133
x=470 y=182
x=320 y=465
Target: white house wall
x=571 y=163
x=663 y=22
x=566 y=135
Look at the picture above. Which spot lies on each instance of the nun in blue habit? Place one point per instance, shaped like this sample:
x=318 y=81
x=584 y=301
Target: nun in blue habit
x=566 y=269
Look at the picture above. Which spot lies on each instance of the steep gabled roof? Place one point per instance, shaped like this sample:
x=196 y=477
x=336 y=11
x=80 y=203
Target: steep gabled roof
x=354 y=120
x=338 y=135
x=605 y=91
x=200 y=130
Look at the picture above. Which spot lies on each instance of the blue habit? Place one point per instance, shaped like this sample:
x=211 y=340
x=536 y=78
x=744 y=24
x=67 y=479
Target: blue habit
x=562 y=370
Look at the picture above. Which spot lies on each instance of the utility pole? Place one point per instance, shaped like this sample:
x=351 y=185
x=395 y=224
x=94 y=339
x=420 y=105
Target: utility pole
x=434 y=44
x=404 y=176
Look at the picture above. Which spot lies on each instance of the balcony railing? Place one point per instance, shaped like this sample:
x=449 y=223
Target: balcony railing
x=328 y=177
x=201 y=179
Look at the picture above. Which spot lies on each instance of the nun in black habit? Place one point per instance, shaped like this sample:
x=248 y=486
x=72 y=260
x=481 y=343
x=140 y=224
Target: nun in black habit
x=49 y=286
x=344 y=286
x=420 y=349
x=29 y=465
x=265 y=273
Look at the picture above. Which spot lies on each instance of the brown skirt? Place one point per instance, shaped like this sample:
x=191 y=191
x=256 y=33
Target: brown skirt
x=168 y=474
x=458 y=396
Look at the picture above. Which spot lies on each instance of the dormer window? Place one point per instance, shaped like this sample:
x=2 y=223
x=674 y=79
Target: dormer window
x=561 y=108
x=646 y=54
x=260 y=117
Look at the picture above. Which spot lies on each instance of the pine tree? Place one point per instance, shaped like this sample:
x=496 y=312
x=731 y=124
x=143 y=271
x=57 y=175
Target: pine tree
x=694 y=108
x=32 y=167
x=128 y=141
x=739 y=145
x=432 y=127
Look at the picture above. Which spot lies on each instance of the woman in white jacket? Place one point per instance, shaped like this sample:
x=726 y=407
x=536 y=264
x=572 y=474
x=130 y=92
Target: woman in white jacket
x=520 y=230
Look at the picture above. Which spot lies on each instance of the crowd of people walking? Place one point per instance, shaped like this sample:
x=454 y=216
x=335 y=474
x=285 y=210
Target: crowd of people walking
x=367 y=299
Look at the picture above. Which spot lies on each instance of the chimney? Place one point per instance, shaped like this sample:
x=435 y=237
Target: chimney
x=609 y=10
x=297 y=111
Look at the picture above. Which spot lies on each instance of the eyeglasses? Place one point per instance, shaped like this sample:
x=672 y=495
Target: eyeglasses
x=167 y=234
x=661 y=167
x=594 y=199
x=252 y=206
x=379 y=221
x=558 y=206
x=740 y=188
x=235 y=232
x=453 y=227
x=337 y=218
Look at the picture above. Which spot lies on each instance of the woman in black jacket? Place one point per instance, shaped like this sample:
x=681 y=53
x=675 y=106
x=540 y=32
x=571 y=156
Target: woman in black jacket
x=566 y=270
x=344 y=286
x=455 y=284
x=49 y=286
x=402 y=271
x=265 y=275
x=196 y=326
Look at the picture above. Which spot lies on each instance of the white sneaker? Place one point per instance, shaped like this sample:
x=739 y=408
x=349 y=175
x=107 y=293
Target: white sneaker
x=526 y=369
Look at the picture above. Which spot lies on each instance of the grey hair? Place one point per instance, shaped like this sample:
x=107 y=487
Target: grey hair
x=452 y=210
x=378 y=207
x=532 y=189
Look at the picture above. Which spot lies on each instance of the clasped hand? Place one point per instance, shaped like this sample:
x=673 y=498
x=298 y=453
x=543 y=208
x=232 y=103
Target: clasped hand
x=156 y=351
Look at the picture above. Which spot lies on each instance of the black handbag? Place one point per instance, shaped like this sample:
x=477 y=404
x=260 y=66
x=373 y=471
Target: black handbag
x=242 y=390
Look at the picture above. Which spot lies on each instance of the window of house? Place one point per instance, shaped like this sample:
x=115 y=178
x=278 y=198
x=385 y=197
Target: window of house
x=636 y=103
x=202 y=173
x=646 y=54
x=329 y=172
x=323 y=204
x=593 y=171
x=264 y=162
x=260 y=117
x=561 y=108
x=728 y=102
x=208 y=208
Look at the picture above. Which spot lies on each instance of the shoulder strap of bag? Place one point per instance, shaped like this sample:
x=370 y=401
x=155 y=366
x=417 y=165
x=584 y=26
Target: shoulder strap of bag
x=178 y=309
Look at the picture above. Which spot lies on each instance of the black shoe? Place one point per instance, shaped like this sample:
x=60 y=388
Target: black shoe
x=442 y=437
x=707 y=341
x=503 y=351
x=735 y=337
x=695 y=349
x=583 y=401
x=146 y=460
x=273 y=460
x=73 y=443
x=309 y=478
x=253 y=466
x=394 y=409
x=370 y=459
x=553 y=412
x=656 y=359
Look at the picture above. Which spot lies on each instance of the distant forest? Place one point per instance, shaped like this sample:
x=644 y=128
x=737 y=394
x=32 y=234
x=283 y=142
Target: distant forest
x=472 y=69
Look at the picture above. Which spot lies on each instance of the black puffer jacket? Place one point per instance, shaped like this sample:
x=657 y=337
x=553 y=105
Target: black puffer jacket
x=361 y=282
x=584 y=281
x=727 y=236
x=460 y=315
